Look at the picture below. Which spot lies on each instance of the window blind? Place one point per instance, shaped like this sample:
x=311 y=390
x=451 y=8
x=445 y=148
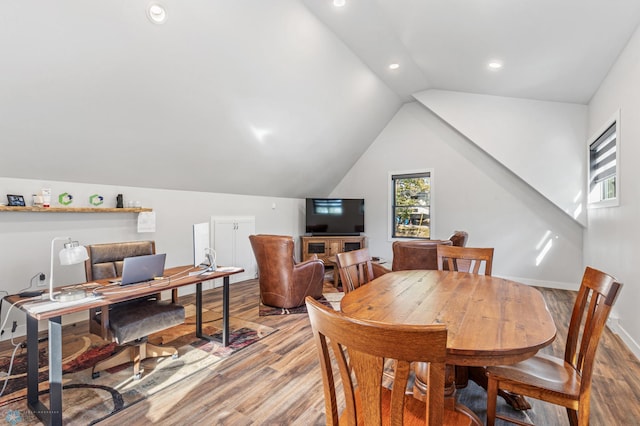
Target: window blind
x=602 y=161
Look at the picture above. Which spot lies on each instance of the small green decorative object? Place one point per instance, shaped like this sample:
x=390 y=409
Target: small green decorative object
x=96 y=200
x=65 y=199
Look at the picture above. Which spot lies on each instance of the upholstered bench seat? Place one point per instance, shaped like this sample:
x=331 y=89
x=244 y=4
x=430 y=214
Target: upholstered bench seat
x=129 y=321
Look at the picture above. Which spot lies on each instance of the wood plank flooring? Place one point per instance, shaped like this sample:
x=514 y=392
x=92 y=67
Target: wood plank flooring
x=276 y=381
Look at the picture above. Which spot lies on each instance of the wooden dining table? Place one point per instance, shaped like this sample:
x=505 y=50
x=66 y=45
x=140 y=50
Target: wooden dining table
x=490 y=320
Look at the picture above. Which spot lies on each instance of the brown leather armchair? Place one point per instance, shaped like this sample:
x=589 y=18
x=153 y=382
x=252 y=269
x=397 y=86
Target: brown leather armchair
x=283 y=282
x=421 y=254
x=459 y=238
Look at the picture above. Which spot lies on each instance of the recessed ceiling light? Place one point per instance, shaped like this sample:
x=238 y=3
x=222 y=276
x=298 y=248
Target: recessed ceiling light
x=339 y=3
x=394 y=66
x=156 y=13
x=494 y=65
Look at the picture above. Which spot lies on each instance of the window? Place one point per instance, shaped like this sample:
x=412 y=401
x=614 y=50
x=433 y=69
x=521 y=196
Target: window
x=604 y=165
x=411 y=205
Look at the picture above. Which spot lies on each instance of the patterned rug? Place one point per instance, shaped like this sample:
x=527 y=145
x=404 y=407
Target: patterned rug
x=331 y=300
x=87 y=400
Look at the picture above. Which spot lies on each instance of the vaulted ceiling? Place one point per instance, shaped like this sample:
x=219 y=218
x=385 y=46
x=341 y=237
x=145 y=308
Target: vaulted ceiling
x=275 y=98
x=550 y=50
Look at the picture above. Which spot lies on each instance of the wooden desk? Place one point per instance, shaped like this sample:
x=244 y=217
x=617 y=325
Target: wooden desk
x=490 y=320
x=175 y=278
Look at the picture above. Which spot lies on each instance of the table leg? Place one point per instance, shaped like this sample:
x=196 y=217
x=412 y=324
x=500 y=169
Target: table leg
x=225 y=314
x=450 y=402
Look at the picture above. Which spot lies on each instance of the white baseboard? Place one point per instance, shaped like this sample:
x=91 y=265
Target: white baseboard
x=614 y=325
x=547 y=284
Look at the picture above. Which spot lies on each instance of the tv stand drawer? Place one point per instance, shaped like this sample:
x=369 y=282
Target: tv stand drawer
x=326 y=247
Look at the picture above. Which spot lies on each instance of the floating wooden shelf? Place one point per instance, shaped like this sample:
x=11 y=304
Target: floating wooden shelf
x=73 y=209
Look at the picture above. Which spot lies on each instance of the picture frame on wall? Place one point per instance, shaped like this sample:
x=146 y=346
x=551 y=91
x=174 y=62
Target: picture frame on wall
x=15 y=200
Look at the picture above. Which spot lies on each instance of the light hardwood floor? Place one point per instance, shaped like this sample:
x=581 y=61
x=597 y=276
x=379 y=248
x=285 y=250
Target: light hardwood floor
x=276 y=381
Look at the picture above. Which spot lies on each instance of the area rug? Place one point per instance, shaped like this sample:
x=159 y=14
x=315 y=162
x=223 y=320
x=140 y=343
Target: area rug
x=87 y=400
x=475 y=398
x=327 y=299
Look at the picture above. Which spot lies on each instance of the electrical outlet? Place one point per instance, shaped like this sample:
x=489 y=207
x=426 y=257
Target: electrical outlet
x=41 y=280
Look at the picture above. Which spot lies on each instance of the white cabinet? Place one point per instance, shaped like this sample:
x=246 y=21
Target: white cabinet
x=230 y=240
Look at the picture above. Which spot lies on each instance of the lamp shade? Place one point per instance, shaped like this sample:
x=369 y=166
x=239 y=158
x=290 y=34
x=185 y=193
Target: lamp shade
x=73 y=255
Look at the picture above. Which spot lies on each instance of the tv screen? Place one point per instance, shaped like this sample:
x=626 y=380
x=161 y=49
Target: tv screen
x=335 y=216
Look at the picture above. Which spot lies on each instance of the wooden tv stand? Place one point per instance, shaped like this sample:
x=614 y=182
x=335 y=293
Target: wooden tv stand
x=326 y=247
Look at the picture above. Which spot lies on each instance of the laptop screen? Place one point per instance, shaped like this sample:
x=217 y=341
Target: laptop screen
x=142 y=268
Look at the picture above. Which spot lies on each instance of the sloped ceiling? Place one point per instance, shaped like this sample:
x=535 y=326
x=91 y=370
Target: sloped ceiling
x=274 y=98
x=245 y=97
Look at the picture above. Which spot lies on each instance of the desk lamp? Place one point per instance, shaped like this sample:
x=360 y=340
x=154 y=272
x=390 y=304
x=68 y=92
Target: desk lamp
x=72 y=254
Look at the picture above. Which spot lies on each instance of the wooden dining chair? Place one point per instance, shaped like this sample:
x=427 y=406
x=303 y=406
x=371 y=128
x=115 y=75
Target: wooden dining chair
x=464 y=259
x=361 y=350
x=565 y=382
x=355 y=268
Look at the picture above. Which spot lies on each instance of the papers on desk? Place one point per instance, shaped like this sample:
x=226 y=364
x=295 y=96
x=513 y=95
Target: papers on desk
x=45 y=305
x=228 y=269
x=206 y=272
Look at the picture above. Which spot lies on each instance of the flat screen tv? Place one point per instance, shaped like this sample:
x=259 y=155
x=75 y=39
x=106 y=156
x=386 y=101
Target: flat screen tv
x=335 y=216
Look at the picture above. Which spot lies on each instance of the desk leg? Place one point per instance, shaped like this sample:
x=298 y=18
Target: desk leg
x=32 y=364
x=53 y=414
x=225 y=313
x=199 y=311
x=55 y=370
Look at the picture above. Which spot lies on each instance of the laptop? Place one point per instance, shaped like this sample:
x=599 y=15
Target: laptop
x=142 y=268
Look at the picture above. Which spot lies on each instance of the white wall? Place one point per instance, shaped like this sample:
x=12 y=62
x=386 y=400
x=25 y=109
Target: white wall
x=541 y=142
x=471 y=192
x=26 y=237
x=613 y=234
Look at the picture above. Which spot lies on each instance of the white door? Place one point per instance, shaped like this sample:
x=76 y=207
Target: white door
x=230 y=240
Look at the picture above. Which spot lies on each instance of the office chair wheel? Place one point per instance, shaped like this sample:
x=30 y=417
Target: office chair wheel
x=95 y=374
